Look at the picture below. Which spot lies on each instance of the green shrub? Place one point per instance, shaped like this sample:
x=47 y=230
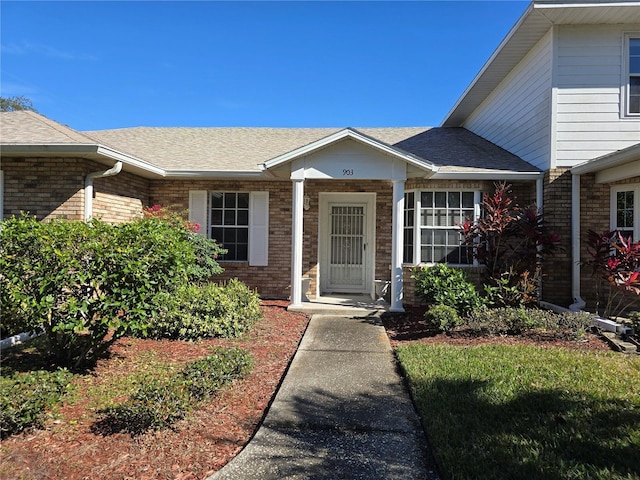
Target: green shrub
x=443 y=285
x=443 y=317
x=25 y=398
x=80 y=281
x=516 y=320
x=160 y=402
x=209 y=310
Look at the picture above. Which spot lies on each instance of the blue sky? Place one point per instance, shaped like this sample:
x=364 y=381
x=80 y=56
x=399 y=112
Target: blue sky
x=97 y=65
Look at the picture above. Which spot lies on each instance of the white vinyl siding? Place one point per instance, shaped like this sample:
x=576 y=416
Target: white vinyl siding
x=590 y=80
x=516 y=116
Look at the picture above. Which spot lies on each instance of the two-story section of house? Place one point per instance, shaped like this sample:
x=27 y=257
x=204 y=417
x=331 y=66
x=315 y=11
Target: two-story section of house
x=562 y=91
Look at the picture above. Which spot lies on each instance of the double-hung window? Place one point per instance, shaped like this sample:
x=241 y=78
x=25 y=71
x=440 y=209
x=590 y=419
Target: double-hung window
x=230 y=223
x=632 y=77
x=433 y=220
x=239 y=221
x=625 y=210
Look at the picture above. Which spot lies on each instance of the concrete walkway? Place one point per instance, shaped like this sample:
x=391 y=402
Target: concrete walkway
x=342 y=412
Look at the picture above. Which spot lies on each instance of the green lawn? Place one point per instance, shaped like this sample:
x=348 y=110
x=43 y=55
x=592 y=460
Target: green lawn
x=518 y=412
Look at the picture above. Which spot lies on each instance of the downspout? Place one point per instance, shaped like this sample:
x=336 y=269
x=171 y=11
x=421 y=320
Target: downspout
x=578 y=303
x=88 y=187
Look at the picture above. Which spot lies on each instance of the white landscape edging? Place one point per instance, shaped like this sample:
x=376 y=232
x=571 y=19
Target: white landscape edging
x=17 y=339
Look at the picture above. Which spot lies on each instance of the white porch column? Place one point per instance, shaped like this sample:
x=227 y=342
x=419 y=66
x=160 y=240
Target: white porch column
x=397 y=231
x=296 y=242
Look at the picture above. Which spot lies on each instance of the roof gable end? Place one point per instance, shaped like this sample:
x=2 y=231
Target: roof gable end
x=353 y=134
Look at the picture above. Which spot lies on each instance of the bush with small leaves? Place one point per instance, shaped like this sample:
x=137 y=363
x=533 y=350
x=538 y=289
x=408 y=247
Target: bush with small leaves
x=162 y=401
x=209 y=310
x=443 y=285
x=26 y=396
x=443 y=317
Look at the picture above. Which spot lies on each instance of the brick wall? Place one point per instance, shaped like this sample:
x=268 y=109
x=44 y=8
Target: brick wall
x=556 y=284
x=54 y=187
x=595 y=214
x=272 y=280
x=119 y=198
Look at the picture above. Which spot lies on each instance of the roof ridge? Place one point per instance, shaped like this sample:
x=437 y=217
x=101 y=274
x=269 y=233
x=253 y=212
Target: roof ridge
x=60 y=128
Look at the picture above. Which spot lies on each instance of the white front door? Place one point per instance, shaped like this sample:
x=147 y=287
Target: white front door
x=346 y=262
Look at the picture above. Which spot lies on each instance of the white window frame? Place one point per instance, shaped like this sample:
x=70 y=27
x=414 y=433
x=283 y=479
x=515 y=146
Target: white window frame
x=418 y=227
x=632 y=187
x=258 y=247
x=627 y=74
x=211 y=226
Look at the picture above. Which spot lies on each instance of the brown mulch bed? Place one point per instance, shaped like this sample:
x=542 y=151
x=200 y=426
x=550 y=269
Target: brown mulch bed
x=69 y=448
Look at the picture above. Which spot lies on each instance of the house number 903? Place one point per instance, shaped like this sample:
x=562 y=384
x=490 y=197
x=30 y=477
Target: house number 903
x=347 y=172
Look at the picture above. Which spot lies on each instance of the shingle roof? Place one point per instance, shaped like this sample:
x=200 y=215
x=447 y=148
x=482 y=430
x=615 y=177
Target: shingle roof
x=29 y=128
x=244 y=149
x=223 y=149
x=454 y=150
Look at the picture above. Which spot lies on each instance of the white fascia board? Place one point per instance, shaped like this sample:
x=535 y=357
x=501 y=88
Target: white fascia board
x=496 y=175
x=488 y=63
x=611 y=160
x=78 y=149
x=357 y=136
x=129 y=160
x=226 y=174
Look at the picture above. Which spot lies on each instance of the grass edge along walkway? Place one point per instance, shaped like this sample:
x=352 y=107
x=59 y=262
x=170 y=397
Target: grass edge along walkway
x=515 y=412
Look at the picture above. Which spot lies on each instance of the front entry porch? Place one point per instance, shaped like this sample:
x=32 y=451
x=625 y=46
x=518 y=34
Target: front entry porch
x=342 y=304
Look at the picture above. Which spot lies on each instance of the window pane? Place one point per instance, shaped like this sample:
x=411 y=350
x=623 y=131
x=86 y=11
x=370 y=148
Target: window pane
x=426 y=199
x=230 y=200
x=229 y=235
x=454 y=199
x=440 y=219
x=634 y=95
x=634 y=46
x=426 y=255
x=231 y=252
x=242 y=252
x=408 y=218
x=217 y=234
x=409 y=199
x=453 y=237
x=216 y=200
x=467 y=200
x=441 y=199
x=439 y=254
x=243 y=200
x=243 y=217
x=243 y=235
x=634 y=64
x=455 y=218
x=453 y=255
x=439 y=237
x=216 y=217
x=427 y=217
x=229 y=217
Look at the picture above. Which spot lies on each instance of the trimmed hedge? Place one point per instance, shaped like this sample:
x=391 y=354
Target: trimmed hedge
x=210 y=310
